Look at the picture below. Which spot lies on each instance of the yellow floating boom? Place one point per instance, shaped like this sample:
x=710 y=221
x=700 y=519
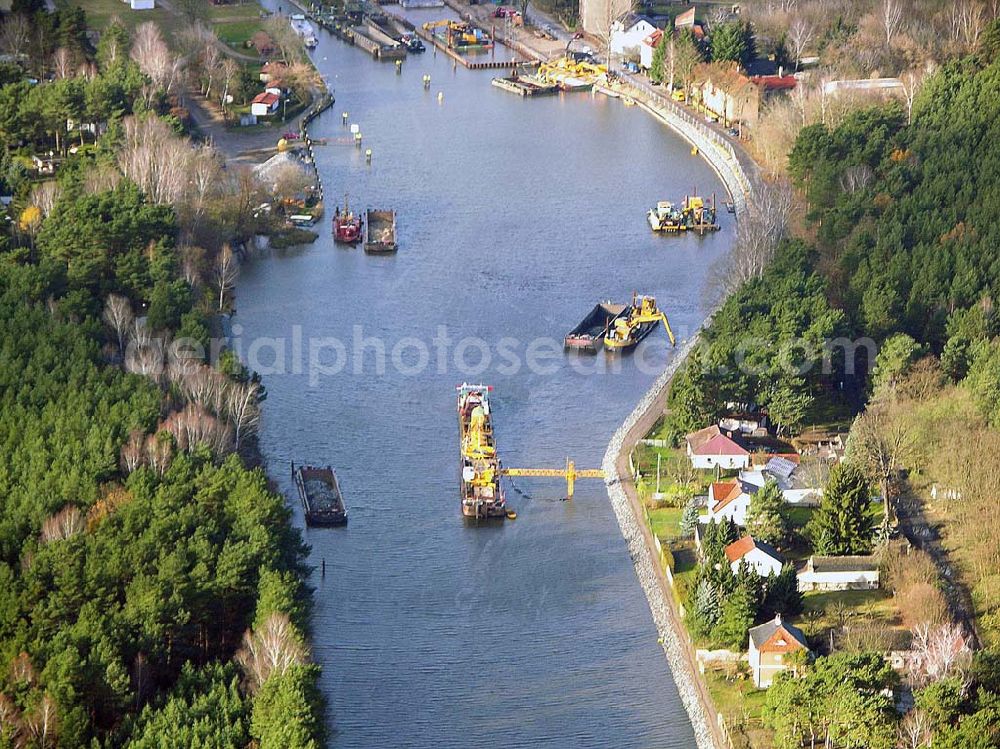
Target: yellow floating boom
x=570 y=473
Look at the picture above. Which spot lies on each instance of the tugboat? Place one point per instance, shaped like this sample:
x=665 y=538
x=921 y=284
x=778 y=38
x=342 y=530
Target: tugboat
x=637 y=323
x=346 y=225
x=412 y=43
x=665 y=217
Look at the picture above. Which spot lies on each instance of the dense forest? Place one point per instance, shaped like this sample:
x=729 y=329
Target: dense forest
x=151 y=584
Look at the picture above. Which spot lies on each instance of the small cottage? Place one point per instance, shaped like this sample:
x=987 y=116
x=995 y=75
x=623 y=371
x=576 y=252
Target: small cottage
x=648 y=48
x=728 y=500
x=711 y=448
x=758 y=556
x=264 y=104
x=627 y=35
x=839 y=573
x=770 y=645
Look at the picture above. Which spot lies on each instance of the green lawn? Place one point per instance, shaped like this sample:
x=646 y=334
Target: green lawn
x=665 y=522
x=740 y=703
x=243 y=18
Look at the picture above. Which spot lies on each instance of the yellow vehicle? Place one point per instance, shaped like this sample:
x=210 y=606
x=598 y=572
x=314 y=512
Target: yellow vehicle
x=678 y=95
x=640 y=321
x=460 y=35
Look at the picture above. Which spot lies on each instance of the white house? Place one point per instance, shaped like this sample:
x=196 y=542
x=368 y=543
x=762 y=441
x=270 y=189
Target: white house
x=264 y=104
x=770 y=643
x=728 y=500
x=141 y=4
x=627 y=35
x=796 y=486
x=839 y=573
x=762 y=558
x=710 y=448
x=648 y=48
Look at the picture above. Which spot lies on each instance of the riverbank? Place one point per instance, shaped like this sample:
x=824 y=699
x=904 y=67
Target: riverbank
x=709 y=730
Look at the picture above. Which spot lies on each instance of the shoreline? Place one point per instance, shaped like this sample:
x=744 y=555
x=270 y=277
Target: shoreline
x=693 y=691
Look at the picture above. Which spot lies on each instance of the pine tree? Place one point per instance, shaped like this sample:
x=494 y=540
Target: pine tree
x=766 y=516
x=706 y=607
x=689 y=519
x=783 y=596
x=737 y=616
x=843 y=524
x=659 y=57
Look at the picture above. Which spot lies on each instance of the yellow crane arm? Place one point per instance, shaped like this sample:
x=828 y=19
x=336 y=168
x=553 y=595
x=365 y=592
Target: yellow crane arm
x=570 y=473
x=670 y=333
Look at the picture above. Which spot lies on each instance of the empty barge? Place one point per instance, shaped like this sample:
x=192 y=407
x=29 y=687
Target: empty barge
x=319 y=491
x=589 y=334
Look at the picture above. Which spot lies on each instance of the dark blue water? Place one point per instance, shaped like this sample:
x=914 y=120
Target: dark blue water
x=515 y=217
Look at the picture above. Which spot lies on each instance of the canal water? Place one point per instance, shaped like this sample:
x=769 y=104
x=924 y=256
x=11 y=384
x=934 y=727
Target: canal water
x=515 y=217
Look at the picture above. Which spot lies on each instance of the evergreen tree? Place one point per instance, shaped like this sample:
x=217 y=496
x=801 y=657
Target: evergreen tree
x=766 y=519
x=656 y=72
x=706 y=607
x=689 y=519
x=843 y=524
x=733 y=42
x=783 y=596
x=739 y=610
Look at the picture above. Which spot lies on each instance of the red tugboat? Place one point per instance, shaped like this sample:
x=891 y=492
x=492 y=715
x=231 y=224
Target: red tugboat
x=346 y=225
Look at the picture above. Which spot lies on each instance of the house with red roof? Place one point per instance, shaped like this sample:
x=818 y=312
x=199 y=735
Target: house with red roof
x=264 y=104
x=758 y=556
x=728 y=500
x=711 y=448
x=648 y=47
x=771 y=645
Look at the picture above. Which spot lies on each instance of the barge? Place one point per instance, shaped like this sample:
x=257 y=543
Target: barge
x=589 y=334
x=693 y=214
x=380 y=232
x=319 y=491
x=637 y=322
x=482 y=496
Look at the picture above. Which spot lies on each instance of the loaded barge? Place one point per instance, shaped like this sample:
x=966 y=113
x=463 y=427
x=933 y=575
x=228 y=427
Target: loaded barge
x=319 y=491
x=380 y=232
x=637 y=322
x=589 y=334
x=482 y=495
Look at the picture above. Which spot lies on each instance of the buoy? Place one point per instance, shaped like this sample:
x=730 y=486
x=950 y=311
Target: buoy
x=357 y=139
x=343 y=118
x=694 y=150
x=427 y=81
x=440 y=95
x=368 y=155
x=399 y=67
x=511 y=515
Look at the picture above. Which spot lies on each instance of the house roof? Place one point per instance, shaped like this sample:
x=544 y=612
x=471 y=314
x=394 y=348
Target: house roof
x=719 y=445
x=725 y=492
x=775 y=82
x=266 y=98
x=776 y=636
x=739 y=549
x=842 y=564
x=781 y=467
x=653 y=39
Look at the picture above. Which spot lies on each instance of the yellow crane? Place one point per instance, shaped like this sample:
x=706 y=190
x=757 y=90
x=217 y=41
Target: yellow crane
x=570 y=473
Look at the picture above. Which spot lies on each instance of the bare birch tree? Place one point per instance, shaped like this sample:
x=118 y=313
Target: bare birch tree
x=64 y=524
x=911 y=80
x=44 y=196
x=158 y=453
x=43 y=723
x=968 y=17
x=132 y=451
x=615 y=12
x=226 y=272
x=800 y=34
x=155 y=159
x=62 y=63
x=15 y=34
x=118 y=316
x=762 y=226
x=270 y=650
x=892 y=19
x=914 y=730
x=154 y=58
x=243 y=409
x=940 y=651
